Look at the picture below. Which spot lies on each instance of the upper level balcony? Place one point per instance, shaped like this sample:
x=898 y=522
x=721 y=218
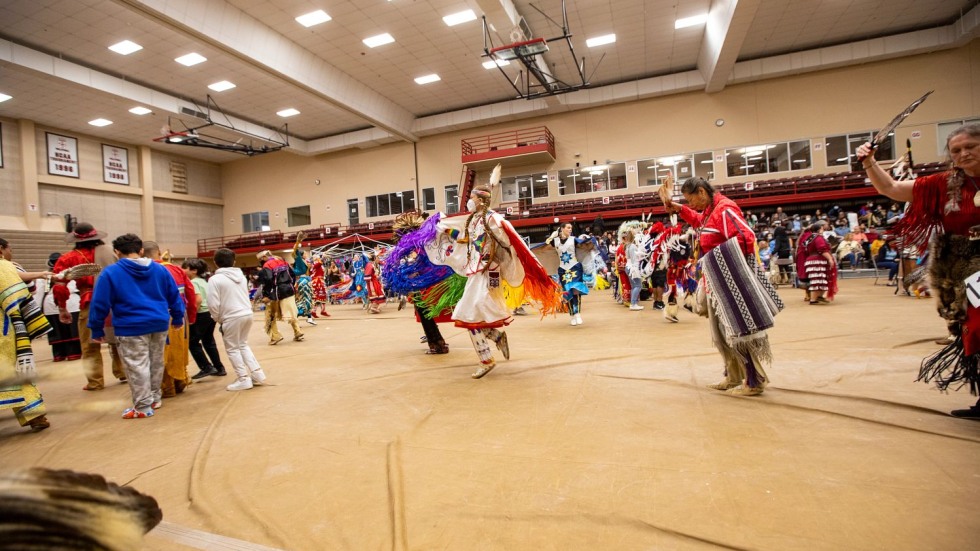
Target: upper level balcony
x=511 y=148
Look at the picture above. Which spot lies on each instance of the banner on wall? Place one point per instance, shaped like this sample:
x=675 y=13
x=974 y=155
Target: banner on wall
x=115 y=165
x=62 y=155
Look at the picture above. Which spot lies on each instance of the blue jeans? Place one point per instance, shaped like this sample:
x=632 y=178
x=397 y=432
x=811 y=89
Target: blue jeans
x=892 y=268
x=635 y=292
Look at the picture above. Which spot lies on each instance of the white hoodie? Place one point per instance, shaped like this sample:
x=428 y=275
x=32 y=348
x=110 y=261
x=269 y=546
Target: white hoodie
x=228 y=295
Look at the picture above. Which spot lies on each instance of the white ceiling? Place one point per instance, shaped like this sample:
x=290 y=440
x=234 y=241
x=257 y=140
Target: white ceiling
x=342 y=87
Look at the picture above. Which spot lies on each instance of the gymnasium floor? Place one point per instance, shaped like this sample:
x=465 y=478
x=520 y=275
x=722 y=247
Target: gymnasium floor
x=601 y=436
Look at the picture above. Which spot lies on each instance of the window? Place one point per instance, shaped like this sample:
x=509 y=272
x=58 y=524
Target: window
x=840 y=149
x=452 y=199
x=255 y=221
x=525 y=188
x=764 y=159
x=353 y=216
x=429 y=199
x=944 y=130
x=390 y=203
x=298 y=216
x=591 y=179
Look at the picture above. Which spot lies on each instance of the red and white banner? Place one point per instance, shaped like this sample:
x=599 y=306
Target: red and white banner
x=115 y=165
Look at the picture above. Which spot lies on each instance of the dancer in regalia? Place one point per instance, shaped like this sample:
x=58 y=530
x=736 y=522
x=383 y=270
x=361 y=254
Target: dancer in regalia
x=304 y=285
x=572 y=270
x=945 y=208
x=493 y=271
x=372 y=282
x=318 y=284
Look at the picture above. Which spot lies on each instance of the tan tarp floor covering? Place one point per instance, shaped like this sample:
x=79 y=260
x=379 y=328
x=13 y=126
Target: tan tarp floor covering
x=601 y=436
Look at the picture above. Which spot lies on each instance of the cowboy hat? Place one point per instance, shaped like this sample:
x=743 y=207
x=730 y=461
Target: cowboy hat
x=84 y=232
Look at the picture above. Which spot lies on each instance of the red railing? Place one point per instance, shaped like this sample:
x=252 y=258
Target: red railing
x=505 y=144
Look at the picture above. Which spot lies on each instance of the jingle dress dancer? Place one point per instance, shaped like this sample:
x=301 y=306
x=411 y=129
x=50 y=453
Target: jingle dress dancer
x=318 y=284
x=570 y=269
x=945 y=209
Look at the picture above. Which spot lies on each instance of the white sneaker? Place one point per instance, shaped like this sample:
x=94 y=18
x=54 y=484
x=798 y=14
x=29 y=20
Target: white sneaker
x=574 y=321
x=636 y=307
x=258 y=377
x=241 y=384
x=310 y=321
x=578 y=319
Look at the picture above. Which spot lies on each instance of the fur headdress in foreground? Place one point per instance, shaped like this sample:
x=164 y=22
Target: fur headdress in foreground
x=634 y=227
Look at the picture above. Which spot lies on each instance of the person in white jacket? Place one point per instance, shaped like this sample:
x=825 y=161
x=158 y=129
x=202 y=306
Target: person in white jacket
x=231 y=309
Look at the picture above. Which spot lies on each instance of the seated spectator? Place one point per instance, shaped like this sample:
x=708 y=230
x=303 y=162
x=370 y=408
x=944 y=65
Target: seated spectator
x=765 y=253
x=840 y=228
x=888 y=258
x=862 y=239
x=894 y=213
x=851 y=251
x=876 y=246
x=796 y=225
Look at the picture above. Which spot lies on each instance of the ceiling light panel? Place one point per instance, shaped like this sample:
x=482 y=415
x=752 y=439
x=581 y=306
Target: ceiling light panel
x=140 y=110
x=288 y=112
x=495 y=63
x=125 y=47
x=191 y=59
x=601 y=40
x=4 y=97
x=313 y=18
x=692 y=21
x=100 y=122
x=454 y=19
x=427 y=79
x=221 y=86
x=378 y=40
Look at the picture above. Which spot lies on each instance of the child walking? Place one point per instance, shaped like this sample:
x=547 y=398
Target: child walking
x=230 y=307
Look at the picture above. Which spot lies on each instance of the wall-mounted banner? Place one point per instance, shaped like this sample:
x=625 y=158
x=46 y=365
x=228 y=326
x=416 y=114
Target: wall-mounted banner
x=62 y=155
x=115 y=165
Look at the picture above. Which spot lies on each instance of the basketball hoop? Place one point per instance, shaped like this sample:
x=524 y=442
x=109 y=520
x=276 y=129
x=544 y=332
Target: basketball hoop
x=526 y=49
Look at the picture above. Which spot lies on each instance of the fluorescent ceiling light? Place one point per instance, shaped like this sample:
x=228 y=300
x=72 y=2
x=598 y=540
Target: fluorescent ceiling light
x=140 y=111
x=191 y=59
x=691 y=21
x=125 y=47
x=313 y=18
x=461 y=17
x=4 y=97
x=379 y=40
x=288 y=112
x=708 y=162
x=495 y=63
x=221 y=86
x=600 y=40
x=100 y=122
x=428 y=79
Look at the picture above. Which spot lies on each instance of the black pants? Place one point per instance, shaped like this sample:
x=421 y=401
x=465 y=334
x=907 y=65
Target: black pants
x=430 y=327
x=202 y=341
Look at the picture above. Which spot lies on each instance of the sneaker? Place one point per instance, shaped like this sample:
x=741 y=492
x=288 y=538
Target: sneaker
x=659 y=305
x=204 y=373
x=972 y=412
x=274 y=342
x=636 y=307
x=743 y=390
x=578 y=319
x=132 y=413
x=484 y=369
x=219 y=372
x=156 y=405
x=573 y=321
x=310 y=321
x=258 y=377
x=241 y=384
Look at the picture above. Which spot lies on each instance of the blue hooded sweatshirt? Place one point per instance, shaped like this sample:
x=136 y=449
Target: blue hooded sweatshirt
x=141 y=295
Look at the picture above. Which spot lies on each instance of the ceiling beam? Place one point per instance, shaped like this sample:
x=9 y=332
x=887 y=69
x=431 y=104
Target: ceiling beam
x=728 y=24
x=228 y=29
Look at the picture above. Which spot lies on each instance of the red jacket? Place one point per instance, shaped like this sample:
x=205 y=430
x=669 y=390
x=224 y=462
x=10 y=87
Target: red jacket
x=721 y=221
x=186 y=289
x=84 y=284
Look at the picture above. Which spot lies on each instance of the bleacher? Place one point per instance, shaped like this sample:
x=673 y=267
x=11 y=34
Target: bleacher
x=778 y=191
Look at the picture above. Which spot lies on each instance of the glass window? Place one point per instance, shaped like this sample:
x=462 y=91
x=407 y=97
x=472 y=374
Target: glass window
x=840 y=149
x=704 y=165
x=353 y=213
x=429 y=199
x=945 y=128
x=384 y=208
x=539 y=187
x=508 y=189
x=395 y=199
x=255 y=221
x=408 y=200
x=298 y=216
x=591 y=179
x=371 y=205
x=452 y=199
x=765 y=159
x=799 y=154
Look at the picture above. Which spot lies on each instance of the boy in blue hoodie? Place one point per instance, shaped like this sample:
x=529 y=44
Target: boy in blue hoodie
x=142 y=298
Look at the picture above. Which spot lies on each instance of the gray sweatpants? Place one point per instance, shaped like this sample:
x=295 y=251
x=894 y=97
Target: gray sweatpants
x=142 y=357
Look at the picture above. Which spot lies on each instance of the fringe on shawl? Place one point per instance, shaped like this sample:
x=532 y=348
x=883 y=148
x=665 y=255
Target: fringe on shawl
x=407 y=268
x=950 y=366
x=441 y=297
x=923 y=218
x=538 y=285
